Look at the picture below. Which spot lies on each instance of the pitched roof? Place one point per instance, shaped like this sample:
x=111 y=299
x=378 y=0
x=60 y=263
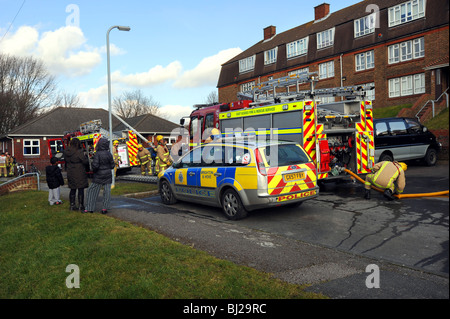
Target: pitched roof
x=62 y=119
x=148 y=123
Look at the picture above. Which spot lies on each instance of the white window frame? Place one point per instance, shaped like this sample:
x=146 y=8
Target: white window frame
x=270 y=56
x=406 y=11
x=365 y=60
x=31 y=143
x=325 y=39
x=406 y=51
x=247 y=64
x=364 y=25
x=407 y=85
x=247 y=86
x=326 y=70
x=297 y=48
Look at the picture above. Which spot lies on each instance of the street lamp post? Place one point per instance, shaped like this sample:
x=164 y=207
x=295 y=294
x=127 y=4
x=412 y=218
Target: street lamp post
x=121 y=28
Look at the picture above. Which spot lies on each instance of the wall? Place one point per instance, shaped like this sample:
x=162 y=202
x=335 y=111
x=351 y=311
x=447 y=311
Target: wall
x=26 y=182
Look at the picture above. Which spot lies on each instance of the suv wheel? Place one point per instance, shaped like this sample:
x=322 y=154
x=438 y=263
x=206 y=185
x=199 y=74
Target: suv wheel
x=232 y=205
x=431 y=157
x=166 y=193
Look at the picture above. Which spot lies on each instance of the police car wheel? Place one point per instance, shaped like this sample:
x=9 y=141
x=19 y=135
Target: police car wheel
x=166 y=193
x=232 y=205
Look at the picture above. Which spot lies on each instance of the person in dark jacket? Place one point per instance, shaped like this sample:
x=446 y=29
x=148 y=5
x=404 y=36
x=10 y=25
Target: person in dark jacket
x=102 y=166
x=54 y=181
x=76 y=164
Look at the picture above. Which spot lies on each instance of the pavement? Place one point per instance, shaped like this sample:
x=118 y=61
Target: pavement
x=332 y=272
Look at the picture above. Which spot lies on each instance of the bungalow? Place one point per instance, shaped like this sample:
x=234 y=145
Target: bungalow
x=31 y=142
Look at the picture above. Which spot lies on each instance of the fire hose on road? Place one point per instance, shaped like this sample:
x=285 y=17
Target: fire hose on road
x=442 y=193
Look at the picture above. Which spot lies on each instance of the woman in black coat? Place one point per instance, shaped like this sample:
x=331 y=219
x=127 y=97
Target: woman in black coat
x=76 y=164
x=102 y=166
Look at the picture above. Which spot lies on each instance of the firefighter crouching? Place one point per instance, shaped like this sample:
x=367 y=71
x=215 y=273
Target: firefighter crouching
x=163 y=159
x=387 y=175
x=144 y=158
x=116 y=156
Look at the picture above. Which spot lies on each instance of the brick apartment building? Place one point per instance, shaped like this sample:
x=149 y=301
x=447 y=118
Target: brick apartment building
x=399 y=46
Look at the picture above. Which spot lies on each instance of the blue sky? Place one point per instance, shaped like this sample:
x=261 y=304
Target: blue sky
x=173 y=52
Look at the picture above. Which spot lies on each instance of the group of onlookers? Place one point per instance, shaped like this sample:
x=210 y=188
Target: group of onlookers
x=77 y=166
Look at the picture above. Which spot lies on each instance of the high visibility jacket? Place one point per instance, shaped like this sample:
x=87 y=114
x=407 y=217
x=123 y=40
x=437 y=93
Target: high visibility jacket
x=143 y=156
x=389 y=175
x=3 y=161
x=162 y=158
x=116 y=157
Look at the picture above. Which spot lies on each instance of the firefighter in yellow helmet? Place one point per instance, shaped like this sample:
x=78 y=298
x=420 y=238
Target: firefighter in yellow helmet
x=3 y=165
x=116 y=156
x=144 y=158
x=213 y=135
x=163 y=159
x=389 y=176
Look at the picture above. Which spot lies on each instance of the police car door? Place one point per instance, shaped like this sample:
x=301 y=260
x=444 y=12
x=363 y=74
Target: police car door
x=186 y=179
x=212 y=172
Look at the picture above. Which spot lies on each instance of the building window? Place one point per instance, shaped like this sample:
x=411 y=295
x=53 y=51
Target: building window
x=326 y=70
x=247 y=64
x=270 y=56
x=364 y=61
x=325 y=38
x=405 y=51
x=405 y=12
x=31 y=147
x=407 y=85
x=365 y=25
x=247 y=86
x=296 y=48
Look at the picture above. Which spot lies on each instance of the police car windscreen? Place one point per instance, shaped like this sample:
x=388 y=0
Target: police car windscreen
x=283 y=155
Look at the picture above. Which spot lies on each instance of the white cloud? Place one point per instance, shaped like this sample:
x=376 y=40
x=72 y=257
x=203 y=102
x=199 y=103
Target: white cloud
x=207 y=71
x=174 y=113
x=96 y=97
x=64 y=50
x=21 y=43
x=154 y=76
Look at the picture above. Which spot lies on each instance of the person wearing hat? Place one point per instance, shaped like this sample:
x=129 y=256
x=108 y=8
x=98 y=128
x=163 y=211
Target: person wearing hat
x=116 y=156
x=144 y=157
x=213 y=135
x=386 y=175
x=163 y=159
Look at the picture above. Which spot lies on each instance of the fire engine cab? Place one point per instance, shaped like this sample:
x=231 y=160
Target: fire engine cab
x=336 y=136
x=89 y=133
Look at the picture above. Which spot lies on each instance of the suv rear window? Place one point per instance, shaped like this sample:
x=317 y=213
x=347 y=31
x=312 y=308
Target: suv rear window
x=283 y=155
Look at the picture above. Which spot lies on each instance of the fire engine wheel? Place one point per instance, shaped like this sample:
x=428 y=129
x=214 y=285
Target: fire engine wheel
x=166 y=193
x=232 y=205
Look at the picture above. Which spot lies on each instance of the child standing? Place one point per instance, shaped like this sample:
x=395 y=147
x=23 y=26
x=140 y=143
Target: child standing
x=54 y=181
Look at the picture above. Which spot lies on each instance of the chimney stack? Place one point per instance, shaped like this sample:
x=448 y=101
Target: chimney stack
x=269 y=32
x=321 y=11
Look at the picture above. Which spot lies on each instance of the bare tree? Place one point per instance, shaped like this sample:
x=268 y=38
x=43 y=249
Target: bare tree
x=134 y=103
x=25 y=88
x=212 y=98
x=65 y=99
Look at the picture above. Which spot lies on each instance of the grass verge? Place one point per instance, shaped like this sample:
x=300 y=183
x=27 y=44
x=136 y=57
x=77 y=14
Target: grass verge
x=115 y=259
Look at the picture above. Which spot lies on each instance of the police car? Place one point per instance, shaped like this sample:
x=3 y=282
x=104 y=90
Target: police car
x=241 y=176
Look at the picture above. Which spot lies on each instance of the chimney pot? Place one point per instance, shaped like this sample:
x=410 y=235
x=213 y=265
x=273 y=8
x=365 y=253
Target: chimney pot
x=321 y=11
x=269 y=32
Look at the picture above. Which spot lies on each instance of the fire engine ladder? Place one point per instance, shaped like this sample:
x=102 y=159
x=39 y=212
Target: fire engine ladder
x=266 y=92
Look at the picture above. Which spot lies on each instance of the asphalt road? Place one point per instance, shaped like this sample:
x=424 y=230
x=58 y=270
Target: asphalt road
x=328 y=242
